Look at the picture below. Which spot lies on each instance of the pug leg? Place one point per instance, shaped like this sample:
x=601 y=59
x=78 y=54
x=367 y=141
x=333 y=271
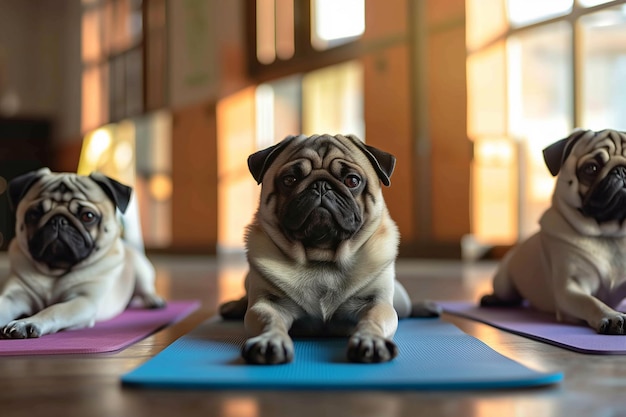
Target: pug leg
x=371 y=340
x=270 y=324
x=76 y=313
x=14 y=302
x=575 y=302
x=145 y=276
x=504 y=291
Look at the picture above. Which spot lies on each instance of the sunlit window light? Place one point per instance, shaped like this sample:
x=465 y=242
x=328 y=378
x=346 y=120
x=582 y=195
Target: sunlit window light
x=97 y=144
x=336 y=21
x=523 y=12
x=265 y=31
x=285 y=41
x=264 y=97
x=123 y=156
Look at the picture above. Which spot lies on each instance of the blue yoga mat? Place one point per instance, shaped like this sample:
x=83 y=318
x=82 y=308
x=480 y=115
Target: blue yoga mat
x=433 y=355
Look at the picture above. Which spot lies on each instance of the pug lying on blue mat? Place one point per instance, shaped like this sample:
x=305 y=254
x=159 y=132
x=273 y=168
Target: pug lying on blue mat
x=321 y=250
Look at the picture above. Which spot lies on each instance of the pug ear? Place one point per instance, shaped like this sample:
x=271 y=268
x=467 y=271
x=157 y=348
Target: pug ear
x=259 y=162
x=19 y=186
x=556 y=154
x=383 y=162
x=116 y=191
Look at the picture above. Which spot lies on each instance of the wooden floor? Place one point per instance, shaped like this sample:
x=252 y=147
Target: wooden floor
x=88 y=385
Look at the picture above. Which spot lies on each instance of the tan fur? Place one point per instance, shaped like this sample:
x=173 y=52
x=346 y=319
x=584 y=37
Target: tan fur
x=98 y=288
x=574 y=266
x=346 y=290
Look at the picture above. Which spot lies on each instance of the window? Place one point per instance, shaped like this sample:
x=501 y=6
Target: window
x=603 y=78
x=119 y=37
x=290 y=34
x=335 y=22
x=536 y=70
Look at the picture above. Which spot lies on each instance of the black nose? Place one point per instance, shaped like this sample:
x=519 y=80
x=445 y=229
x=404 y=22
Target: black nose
x=58 y=221
x=321 y=186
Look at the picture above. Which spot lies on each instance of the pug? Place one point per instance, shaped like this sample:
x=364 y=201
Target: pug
x=321 y=251
x=575 y=266
x=69 y=266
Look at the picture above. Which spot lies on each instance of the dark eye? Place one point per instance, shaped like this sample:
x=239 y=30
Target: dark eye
x=32 y=216
x=352 y=181
x=88 y=217
x=289 y=180
x=589 y=171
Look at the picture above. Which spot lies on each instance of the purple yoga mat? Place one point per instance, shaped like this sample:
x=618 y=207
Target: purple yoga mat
x=129 y=327
x=539 y=326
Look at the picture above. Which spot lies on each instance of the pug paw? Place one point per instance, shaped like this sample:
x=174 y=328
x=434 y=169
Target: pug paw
x=367 y=348
x=20 y=329
x=268 y=349
x=153 y=301
x=613 y=325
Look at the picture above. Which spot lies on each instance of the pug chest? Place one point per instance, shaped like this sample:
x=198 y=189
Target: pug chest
x=611 y=255
x=322 y=293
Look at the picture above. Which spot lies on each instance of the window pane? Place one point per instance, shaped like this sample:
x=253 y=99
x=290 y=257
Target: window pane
x=94 y=109
x=332 y=100
x=285 y=46
x=265 y=31
x=603 y=44
x=522 y=12
x=91 y=36
x=540 y=97
x=123 y=24
x=487 y=92
x=486 y=20
x=494 y=190
x=335 y=22
x=278 y=110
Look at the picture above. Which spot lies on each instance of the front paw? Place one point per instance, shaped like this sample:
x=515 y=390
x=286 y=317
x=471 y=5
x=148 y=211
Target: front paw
x=152 y=301
x=368 y=348
x=20 y=329
x=268 y=349
x=613 y=324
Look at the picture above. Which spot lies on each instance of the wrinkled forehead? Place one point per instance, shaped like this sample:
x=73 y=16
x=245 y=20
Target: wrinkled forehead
x=321 y=150
x=606 y=142
x=66 y=187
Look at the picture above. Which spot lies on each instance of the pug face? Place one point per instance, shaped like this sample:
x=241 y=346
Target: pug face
x=320 y=193
x=591 y=183
x=63 y=219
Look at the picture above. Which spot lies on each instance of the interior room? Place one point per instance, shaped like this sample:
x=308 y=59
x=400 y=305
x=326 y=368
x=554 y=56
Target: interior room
x=171 y=97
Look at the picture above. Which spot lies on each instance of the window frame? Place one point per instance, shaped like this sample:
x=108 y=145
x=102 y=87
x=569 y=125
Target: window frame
x=572 y=18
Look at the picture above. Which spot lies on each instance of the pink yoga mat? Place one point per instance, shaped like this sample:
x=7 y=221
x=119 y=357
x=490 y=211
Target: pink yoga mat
x=108 y=336
x=539 y=326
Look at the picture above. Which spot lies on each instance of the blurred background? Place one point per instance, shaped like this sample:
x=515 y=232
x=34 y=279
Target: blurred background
x=171 y=96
